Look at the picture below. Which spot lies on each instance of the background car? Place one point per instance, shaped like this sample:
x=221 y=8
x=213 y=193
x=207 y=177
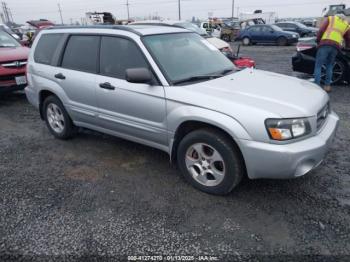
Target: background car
x=13 y=61
x=304 y=61
x=9 y=31
x=267 y=34
x=301 y=29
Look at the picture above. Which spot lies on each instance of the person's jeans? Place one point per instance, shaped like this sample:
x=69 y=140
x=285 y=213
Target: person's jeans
x=326 y=56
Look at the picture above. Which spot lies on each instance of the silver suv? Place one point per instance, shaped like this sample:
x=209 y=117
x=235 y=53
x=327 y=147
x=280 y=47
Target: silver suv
x=169 y=88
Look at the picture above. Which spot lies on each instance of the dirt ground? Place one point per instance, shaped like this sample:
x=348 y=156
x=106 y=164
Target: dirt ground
x=100 y=197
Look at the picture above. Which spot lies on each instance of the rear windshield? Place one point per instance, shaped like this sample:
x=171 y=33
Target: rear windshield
x=46 y=48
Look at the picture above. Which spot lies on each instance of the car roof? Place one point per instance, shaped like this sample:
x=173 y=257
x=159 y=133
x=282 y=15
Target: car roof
x=141 y=30
x=161 y=22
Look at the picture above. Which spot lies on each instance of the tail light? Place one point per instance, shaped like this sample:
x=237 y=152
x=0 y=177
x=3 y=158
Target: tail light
x=302 y=47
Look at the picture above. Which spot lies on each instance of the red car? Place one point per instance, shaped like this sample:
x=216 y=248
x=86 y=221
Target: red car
x=13 y=62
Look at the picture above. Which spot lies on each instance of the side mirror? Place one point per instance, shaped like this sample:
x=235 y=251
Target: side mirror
x=139 y=75
x=272 y=31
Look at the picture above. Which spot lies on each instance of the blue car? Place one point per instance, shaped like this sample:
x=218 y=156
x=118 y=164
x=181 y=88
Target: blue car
x=267 y=34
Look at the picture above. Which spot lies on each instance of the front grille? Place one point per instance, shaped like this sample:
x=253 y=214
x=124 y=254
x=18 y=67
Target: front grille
x=14 y=64
x=322 y=116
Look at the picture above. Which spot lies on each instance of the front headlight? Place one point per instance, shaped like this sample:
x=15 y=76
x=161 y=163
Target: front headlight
x=287 y=129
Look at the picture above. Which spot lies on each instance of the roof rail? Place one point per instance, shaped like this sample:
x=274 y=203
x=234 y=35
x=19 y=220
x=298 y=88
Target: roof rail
x=115 y=27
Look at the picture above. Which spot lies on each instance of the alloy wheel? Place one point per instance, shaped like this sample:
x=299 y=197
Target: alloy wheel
x=338 y=72
x=55 y=118
x=205 y=164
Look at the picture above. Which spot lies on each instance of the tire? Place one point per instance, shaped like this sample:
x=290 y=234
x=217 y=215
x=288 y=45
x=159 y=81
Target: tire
x=226 y=38
x=218 y=177
x=282 y=41
x=246 y=41
x=57 y=119
x=339 y=73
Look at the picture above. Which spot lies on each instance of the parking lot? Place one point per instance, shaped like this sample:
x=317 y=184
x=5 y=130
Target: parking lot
x=97 y=195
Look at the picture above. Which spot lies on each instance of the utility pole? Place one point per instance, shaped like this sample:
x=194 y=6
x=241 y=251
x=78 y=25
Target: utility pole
x=60 y=11
x=179 y=9
x=127 y=8
x=6 y=13
x=233 y=9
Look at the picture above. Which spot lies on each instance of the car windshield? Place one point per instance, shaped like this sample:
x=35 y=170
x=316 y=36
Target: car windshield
x=193 y=28
x=276 y=28
x=186 y=57
x=7 y=41
x=300 y=25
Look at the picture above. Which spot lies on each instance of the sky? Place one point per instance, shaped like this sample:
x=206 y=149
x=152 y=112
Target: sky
x=24 y=10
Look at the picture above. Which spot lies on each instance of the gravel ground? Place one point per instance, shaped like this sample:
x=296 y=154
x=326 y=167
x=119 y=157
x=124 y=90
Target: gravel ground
x=99 y=197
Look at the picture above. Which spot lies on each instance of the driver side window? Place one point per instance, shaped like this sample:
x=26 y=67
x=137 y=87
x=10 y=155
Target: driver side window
x=118 y=55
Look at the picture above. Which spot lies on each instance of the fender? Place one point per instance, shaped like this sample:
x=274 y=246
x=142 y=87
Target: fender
x=184 y=113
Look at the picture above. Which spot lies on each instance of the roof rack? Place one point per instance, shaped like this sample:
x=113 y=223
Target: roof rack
x=115 y=27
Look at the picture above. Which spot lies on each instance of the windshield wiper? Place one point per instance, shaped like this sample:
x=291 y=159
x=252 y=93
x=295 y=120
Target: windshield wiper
x=196 y=78
x=227 y=71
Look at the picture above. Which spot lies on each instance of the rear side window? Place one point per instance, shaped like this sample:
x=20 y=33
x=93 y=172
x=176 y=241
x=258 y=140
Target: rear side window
x=119 y=54
x=46 y=48
x=81 y=53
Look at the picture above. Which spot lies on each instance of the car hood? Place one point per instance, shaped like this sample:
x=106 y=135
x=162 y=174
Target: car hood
x=256 y=93
x=13 y=53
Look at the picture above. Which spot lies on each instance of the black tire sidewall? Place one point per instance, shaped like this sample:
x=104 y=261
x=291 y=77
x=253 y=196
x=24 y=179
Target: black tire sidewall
x=233 y=163
x=282 y=41
x=68 y=128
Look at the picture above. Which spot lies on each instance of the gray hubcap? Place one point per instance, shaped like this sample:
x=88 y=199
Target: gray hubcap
x=246 y=41
x=55 y=118
x=205 y=164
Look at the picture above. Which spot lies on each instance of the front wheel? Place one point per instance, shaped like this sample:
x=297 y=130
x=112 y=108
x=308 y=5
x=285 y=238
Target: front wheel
x=57 y=118
x=282 y=41
x=210 y=162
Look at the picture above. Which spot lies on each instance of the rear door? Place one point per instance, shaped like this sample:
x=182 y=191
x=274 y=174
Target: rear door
x=77 y=76
x=133 y=110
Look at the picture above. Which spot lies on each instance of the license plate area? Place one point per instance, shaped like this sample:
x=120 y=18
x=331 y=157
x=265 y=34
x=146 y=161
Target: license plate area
x=21 y=80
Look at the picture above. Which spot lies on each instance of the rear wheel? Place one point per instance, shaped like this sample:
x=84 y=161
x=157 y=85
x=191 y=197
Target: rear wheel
x=57 y=118
x=282 y=41
x=246 y=41
x=210 y=162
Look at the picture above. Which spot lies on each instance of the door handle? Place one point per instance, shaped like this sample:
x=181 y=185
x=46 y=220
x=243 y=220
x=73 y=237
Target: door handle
x=60 y=76
x=107 y=86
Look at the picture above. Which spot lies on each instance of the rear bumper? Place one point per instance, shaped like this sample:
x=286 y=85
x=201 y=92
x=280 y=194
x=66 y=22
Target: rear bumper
x=32 y=96
x=272 y=161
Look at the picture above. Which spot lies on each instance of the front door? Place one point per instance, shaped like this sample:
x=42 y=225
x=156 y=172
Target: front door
x=137 y=111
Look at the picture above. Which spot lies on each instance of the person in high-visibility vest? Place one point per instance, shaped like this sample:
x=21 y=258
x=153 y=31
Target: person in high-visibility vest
x=333 y=34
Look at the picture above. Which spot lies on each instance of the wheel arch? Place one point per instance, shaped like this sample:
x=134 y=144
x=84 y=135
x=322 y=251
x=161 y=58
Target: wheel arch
x=185 y=119
x=191 y=125
x=43 y=94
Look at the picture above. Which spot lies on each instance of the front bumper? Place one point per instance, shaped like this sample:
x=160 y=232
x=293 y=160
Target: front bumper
x=286 y=161
x=11 y=88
